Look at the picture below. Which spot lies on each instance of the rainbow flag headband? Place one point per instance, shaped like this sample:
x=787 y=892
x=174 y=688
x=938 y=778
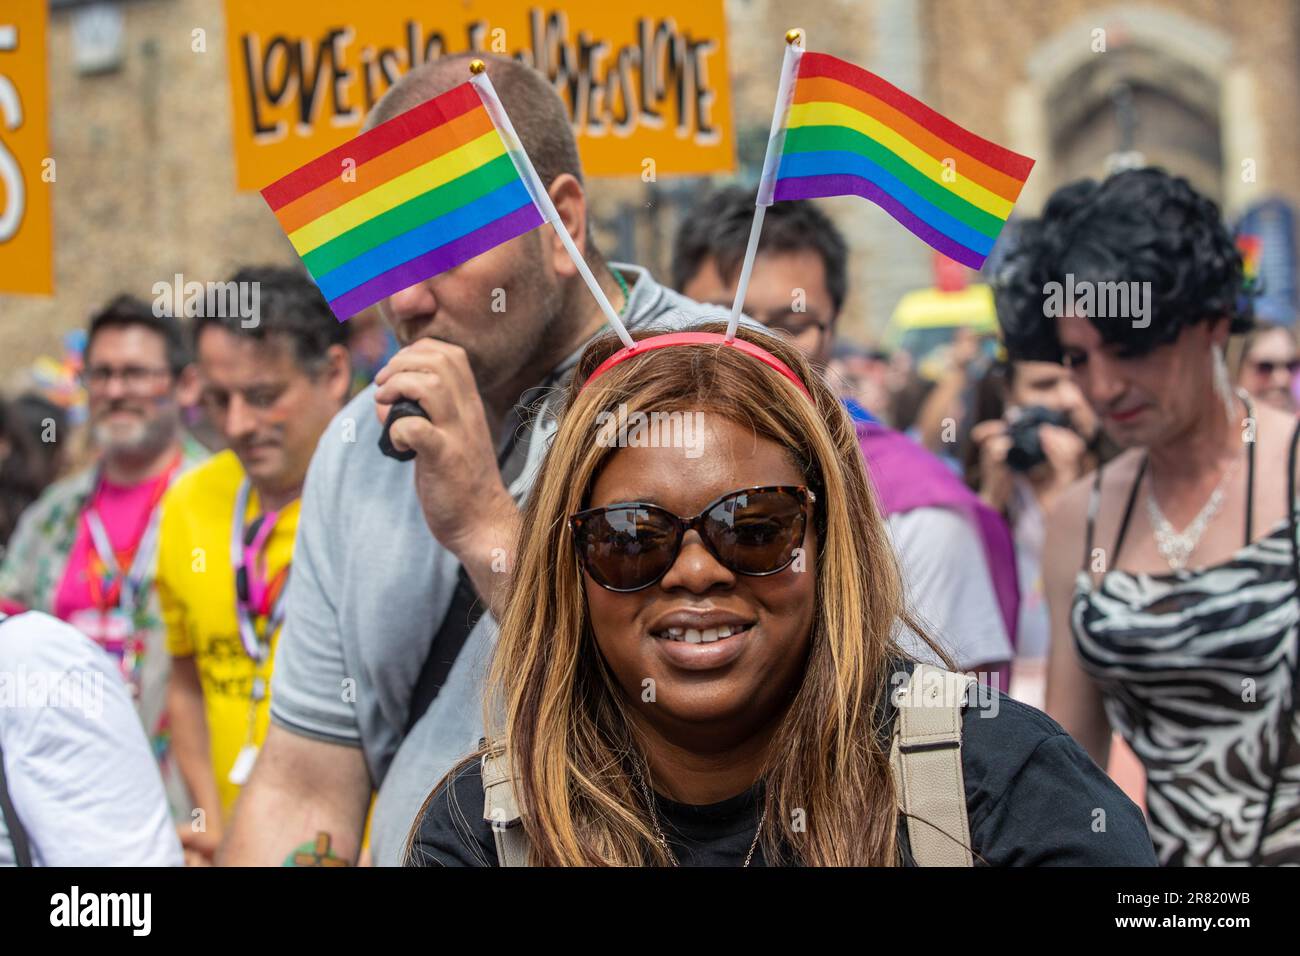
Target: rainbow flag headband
x=645 y=346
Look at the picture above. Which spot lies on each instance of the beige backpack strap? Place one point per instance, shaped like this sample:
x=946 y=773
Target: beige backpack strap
x=926 y=760
x=501 y=809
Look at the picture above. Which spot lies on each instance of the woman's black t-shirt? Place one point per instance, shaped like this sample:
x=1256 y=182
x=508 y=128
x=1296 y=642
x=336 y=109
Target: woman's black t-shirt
x=1034 y=798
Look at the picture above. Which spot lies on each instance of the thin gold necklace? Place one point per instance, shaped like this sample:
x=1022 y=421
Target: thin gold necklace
x=663 y=841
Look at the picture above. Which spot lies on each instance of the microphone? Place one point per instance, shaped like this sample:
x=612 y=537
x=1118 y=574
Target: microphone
x=402 y=408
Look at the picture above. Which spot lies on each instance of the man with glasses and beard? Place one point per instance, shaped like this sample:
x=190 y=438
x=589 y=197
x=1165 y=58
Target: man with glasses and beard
x=85 y=550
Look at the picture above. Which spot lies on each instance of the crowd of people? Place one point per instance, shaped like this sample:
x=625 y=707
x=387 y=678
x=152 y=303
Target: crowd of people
x=825 y=632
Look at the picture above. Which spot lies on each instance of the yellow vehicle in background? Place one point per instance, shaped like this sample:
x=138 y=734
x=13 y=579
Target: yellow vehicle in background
x=925 y=321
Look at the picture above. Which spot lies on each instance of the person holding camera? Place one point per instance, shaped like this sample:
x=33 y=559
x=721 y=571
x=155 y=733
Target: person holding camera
x=1031 y=441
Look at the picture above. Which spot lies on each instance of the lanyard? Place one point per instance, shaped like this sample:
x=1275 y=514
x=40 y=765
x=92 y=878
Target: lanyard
x=255 y=596
x=112 y=588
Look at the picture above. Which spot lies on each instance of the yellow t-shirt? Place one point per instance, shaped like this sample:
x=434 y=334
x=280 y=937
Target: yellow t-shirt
x=196 y=589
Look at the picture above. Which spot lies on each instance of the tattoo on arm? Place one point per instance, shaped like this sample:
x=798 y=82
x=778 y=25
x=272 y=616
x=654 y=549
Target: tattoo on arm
x=316 y=853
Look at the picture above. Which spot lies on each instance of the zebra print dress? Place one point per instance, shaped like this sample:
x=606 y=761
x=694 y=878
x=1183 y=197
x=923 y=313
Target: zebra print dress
x=1196 y=669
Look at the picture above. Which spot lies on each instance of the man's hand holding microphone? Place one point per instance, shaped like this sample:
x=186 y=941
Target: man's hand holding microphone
x=457 y=477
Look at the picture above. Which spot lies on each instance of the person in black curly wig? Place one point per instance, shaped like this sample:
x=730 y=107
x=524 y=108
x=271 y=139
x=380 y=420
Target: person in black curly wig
x=1179 y=632
x=1140 y=226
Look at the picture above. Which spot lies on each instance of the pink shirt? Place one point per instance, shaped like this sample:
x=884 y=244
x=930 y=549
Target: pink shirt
x=124 y=510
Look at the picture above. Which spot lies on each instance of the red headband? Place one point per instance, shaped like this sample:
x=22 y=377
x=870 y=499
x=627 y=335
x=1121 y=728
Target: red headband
x=698 y=338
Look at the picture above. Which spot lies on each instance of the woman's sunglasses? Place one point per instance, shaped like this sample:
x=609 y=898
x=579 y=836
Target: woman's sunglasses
x=753 y=531
x=1268 y=368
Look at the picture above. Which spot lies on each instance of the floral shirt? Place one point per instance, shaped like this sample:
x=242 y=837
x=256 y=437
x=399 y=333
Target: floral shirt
x=33 y=567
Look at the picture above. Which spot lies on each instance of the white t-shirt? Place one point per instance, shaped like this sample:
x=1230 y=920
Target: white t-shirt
x=78 y=767
x=948 y=586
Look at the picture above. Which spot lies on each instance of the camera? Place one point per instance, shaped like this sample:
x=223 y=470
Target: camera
x=1026 y=450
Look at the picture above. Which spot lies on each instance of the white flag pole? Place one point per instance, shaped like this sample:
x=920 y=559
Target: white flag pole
x=794 y=40
x=537 y=189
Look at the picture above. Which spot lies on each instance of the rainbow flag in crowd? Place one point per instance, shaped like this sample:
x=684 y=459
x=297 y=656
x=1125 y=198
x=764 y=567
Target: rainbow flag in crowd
x=849 y=132
x=1249 y=246
x=400 y=203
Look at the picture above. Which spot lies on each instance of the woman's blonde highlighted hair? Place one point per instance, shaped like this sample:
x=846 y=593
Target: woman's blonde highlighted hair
x=556 y=708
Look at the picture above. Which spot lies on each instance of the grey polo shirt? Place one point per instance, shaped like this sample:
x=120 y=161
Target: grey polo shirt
x=371 y=586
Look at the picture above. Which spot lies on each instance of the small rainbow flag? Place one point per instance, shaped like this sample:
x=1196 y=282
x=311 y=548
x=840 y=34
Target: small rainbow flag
x=422 y=193
x=849 y=132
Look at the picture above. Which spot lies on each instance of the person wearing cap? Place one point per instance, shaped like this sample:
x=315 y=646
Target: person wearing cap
x=698 y=664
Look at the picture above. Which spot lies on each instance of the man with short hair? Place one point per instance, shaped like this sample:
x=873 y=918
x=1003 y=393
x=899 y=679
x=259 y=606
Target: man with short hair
x=380 y=674
x=800 y=277
x=956 y=557
x=85 y=550
x=228 y=530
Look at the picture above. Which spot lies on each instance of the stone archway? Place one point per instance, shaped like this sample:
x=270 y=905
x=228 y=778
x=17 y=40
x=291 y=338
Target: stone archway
x=1195 y=109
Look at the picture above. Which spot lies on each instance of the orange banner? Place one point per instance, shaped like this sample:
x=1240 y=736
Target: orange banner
x=26 y=170
x=648 y=92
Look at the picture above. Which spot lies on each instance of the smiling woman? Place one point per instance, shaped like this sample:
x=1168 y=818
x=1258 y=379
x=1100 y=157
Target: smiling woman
x=696 y=663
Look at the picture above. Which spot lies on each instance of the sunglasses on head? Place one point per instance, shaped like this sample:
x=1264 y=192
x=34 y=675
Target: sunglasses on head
x=631 y=545
x=1268 y=368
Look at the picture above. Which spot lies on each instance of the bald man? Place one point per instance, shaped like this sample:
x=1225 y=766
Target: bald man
x=379 y=670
